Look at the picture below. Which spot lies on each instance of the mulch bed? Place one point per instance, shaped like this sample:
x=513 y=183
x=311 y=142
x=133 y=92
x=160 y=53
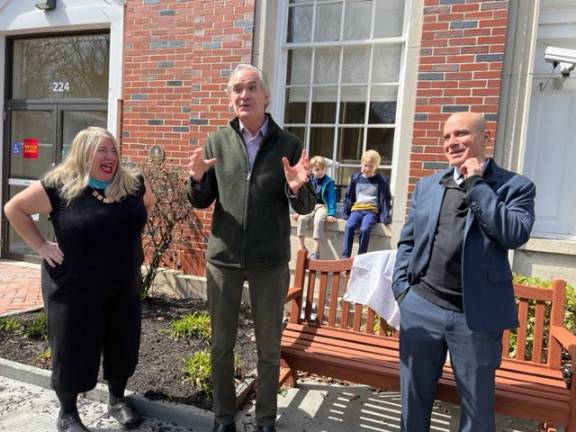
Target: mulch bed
x=159 y=373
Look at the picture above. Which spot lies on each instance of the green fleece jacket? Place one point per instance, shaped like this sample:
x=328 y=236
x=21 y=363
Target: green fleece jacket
x=250 y=223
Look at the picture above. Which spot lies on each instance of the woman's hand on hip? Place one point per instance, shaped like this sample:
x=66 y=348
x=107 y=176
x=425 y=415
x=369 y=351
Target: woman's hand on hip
x=50 y=252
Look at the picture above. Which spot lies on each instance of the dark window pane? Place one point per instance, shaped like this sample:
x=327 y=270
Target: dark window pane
x=350 y=145
x=382 y=112
x=296 y=103
x=342 y=177
x=322 y=142
x=323 y=112
x=352 y=112
x=64 y=67
x=381 y=140
x=300 y=132
x=324 y=104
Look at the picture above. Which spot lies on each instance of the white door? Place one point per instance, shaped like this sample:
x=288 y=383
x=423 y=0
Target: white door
x=551 y=160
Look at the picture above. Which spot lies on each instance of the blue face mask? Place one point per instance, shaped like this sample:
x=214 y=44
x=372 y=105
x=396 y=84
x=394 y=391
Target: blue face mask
x=98 y=184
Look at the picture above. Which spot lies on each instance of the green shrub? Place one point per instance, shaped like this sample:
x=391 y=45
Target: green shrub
x=35 y=328
x=9 y=325
x=45 y=356
x=196 y=324
x=197 y=370
x=31 y=328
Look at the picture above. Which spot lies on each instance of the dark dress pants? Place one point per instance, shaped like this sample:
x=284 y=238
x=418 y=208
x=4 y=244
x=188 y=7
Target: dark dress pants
x=268 y=289
x=86 y=322
x=427 y=332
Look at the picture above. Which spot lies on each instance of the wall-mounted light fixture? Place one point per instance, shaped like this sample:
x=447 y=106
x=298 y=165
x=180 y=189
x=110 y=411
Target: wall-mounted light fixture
x=45 y=5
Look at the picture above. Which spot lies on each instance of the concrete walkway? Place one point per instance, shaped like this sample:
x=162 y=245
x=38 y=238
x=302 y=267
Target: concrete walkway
x=26 y=408
x=314 y=407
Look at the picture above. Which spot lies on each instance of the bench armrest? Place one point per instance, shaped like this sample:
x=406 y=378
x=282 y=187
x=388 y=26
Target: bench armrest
x=566 y=339
x=293 y=293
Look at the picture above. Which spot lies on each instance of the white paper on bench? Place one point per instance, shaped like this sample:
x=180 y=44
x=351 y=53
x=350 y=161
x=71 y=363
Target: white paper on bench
x=370 y=284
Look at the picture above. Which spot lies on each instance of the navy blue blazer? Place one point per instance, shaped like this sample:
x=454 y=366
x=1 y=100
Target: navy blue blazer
x=500 y=218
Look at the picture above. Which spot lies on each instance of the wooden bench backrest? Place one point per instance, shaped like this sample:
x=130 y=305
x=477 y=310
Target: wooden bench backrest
x=538 y=309
x=324 y=283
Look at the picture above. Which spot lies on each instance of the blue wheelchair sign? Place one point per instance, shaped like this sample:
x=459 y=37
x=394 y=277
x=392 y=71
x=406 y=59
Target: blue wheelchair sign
x=17 y=148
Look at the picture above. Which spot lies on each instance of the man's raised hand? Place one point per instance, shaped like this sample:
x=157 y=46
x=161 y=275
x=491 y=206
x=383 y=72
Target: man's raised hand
x=296 y=175
x=198 y=165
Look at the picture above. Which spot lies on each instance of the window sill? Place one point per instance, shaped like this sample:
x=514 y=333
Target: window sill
x=339 y=225
x=555 y=246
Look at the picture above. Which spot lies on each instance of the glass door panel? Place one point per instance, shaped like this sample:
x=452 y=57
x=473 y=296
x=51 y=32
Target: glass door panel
x=61 y=67
x=16 y=245
x=74 y=121
x=32 y=146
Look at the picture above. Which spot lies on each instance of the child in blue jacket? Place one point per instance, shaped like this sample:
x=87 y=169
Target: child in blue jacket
x=367 y=202
x=325 y=210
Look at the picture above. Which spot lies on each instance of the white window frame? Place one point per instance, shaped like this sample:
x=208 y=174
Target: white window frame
x=279 y=88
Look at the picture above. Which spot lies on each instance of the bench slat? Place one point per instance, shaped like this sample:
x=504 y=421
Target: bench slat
x=357 y=317
x=322 y=298
x=334 y=299
x=521 y=334
x=309 y=295
x=538 y=343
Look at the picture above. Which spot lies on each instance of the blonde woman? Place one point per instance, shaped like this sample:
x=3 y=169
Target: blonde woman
x=91 y=273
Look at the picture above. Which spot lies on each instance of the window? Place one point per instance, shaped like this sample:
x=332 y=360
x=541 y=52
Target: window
x=343 y=63
x=61 y=67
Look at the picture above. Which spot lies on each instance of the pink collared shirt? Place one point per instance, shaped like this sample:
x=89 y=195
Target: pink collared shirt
x=253 y=142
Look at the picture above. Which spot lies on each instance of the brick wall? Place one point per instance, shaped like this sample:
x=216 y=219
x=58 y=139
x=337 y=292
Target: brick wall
x=460 y=69
x=177 y=58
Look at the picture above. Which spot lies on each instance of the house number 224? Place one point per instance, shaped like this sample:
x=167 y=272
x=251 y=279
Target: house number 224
x=60 y=86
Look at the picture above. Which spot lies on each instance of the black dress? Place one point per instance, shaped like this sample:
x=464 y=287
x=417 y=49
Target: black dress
x=93 y=298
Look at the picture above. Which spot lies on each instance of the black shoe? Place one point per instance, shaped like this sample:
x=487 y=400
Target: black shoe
x=224 y=428
x=70 y=423
x=266 y=429
x=124 y=414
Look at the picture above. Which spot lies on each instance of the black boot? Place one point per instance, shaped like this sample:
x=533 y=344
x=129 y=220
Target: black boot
x=124 y=413
x=70 y=422
x=218 y=427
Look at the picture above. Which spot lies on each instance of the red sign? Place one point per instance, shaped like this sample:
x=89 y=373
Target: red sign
x=30 y=148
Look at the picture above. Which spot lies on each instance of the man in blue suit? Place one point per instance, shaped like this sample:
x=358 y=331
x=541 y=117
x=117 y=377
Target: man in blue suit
x=452 y=278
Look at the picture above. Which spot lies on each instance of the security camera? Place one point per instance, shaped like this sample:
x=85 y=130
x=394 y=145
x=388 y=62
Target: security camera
x=563 y=57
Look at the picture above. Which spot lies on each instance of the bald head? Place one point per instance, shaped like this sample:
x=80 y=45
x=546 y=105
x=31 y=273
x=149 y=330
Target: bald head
x=475 y=121
x=465 y=137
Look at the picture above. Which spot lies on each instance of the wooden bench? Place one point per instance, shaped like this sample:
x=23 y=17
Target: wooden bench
x=328 y=336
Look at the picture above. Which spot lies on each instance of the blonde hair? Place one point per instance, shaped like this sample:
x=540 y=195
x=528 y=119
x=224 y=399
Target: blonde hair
x=371 y=156
x=73 y=174
x=318 y=162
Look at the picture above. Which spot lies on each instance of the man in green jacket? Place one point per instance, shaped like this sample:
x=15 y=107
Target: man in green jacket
x=252 y=170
